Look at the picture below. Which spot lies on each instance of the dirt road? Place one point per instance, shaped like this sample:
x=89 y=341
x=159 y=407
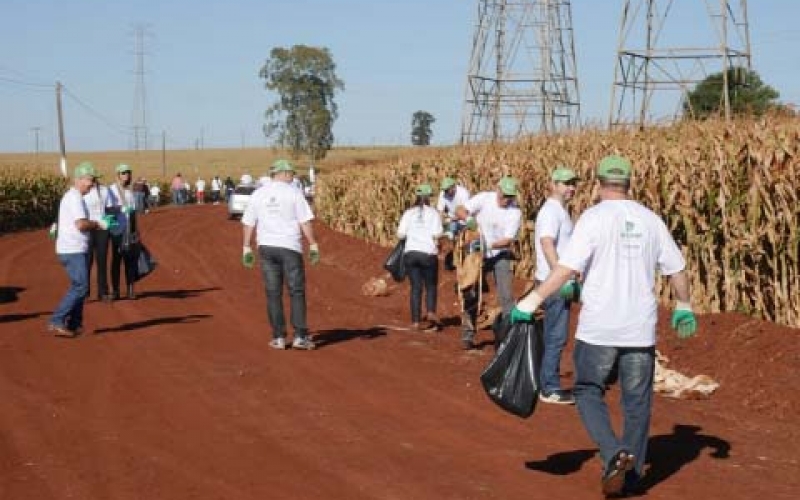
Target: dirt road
x=177 y=396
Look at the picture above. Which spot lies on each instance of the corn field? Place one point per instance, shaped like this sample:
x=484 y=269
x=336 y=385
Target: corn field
x=727 y=191
x=28 y=198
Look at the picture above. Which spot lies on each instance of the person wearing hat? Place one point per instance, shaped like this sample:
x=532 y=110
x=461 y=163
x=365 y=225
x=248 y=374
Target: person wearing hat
x=72 y=247
x=98 y=200
x=452 y=196
x=125 y=235
x=619 y=245
x=553 y=229
x=498 y=218
x=281 y=217
x=421 y=227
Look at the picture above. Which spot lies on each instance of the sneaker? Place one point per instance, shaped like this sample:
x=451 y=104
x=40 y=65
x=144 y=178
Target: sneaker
x=278 y=343
x=559 y=397
x=467 y=344
x=614 y=479
x=303 y=343
x=61 y=331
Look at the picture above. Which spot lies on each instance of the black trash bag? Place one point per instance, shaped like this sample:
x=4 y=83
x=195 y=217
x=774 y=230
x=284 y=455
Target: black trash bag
x=511 y=379
x=145 y=263
x=395 y=263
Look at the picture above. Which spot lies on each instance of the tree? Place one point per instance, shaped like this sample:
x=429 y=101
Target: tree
x=421 y=128
x=746 y=92
x=305 y=80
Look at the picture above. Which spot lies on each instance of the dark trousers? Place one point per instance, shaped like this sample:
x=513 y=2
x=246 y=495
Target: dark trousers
x=279 y=265
x=117 y=259
x=98 y=248
x=422 y=270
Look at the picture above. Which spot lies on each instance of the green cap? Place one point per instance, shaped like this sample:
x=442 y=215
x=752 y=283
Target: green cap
x=281 y=166
x=85 y=169
x=563 y=174
x=508 y=186
x=614 y=168
x=123 y=168
x=447 y=183
x=424 y=190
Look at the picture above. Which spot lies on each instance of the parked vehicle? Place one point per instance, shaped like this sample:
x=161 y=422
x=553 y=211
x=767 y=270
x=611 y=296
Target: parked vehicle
x=238 y=201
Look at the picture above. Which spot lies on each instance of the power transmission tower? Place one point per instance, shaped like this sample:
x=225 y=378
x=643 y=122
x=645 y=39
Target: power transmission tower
x=522 y=75
x=139 y=114
x=651 y=59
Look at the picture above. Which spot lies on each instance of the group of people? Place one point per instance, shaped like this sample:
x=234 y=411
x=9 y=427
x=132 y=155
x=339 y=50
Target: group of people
x=93 y=220
x=608 y=260
x=184 y=193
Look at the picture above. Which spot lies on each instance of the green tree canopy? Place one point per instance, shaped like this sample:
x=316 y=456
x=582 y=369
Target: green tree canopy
x=421 y=128
x=747 y=93
x=304 y=78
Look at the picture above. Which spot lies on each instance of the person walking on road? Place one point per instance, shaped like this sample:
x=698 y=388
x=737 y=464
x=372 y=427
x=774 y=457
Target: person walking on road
x=72 y=247
x=281 y=216
x=200 y=186
x=98 y=200
x=496 y=215
x=176 y=186
x=216 y=188
x=421 y=227
x=125 y=234
x=618 y=244
x=552 y=232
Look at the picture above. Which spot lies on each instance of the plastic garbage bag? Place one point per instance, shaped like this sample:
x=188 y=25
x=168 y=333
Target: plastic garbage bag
x=395 y=263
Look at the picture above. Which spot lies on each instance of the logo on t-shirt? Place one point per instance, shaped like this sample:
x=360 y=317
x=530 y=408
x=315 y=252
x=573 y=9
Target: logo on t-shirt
x=631 y=239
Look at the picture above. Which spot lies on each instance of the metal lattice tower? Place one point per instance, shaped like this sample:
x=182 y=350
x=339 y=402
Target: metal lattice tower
x=139 y=114
x=522 y=75
x=650 y=59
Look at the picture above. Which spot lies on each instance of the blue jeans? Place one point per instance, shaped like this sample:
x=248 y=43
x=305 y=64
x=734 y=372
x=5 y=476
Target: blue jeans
x=69 y=312
x=422 y=269
x=593 y=367
x=556 y=323
x=279 y=264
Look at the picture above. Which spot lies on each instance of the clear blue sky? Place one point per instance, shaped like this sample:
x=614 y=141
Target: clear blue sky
x=203 y=58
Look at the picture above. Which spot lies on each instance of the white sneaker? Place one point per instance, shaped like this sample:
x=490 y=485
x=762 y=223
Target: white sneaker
x=278 y=343
x=303 y=343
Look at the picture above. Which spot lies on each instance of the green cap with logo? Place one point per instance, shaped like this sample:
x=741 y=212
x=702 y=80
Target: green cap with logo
x=563 y=174
x=447 y=183
x=122 y=168
x=424 y=190
x=508 y=186
x=281 y=166
x=85 y=169
x=614 y=168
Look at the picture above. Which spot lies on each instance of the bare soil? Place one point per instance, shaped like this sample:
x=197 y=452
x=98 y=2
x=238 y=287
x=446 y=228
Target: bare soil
x=176 y=395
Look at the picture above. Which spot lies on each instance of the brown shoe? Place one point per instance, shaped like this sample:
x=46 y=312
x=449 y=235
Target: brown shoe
x=614 y=478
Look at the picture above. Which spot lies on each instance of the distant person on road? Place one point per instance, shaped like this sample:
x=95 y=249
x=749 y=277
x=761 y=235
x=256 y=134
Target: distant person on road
x=618 y=244
x=139 y=195
x=281 y=216
x=216 y=188
x=229 y=187
x=125 y=234
x=155 y=195
x=99 y=199
x=72 y=246
x=553 y=229
x=177 y=189
x=200 y=185
x=421 y=227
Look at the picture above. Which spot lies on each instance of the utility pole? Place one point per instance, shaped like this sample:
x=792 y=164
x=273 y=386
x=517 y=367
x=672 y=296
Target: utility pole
x=163 y=154
x=59 y=111
x=139 y=114
x=36 y=140
x=522 y=77
x=646 y=67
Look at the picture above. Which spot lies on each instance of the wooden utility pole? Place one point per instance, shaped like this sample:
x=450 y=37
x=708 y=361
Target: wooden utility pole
x=61 y=130
x=36 y=140
x=163 y=154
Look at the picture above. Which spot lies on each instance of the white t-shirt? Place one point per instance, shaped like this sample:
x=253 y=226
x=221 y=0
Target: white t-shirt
x=200 y=185
x=420 y=226
x=216 y=184
x=495 y=222
x=155 y=191
x=71 y=209
x=277 y=210
x=97 y=199
x=460 y=198
x=552 y=221
x=620 y=243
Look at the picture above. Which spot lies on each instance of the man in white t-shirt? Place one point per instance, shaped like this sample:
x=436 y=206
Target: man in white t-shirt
x=216 y=188
x=281 y=216
x=552 y=232
x=72 y=246
x=496 y=215
x=452 y=196
x=618 y=244
x=200 y=185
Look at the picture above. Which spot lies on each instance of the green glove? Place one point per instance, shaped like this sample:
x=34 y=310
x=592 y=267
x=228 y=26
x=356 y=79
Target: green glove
x=571 y=290
x=472 y=224
x=107 y=221
x=518 y=316
x=684 y=322
x=313 y=254
x=248 y=259
x=53 y=233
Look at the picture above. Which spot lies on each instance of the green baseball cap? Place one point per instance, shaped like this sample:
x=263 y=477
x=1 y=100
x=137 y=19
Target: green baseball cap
x=614 y=168
x=85 y=169
x=424 y=190
x=281 y=166
x=563 y=174
x=508 y=186
x=447 y=183
x=122 y=168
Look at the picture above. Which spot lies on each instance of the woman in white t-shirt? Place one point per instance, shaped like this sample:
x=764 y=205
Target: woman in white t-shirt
x=421 y=227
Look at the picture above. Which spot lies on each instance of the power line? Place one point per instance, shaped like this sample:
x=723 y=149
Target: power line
x=113 y=126
x=48 y=87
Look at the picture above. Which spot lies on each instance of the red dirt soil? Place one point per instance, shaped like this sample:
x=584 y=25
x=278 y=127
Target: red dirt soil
x=177 y=396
